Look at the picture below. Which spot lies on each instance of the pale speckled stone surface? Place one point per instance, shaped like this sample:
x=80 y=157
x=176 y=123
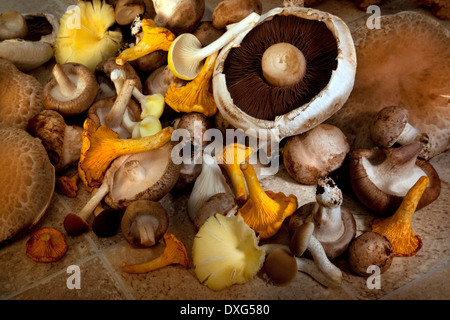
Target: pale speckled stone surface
x=424 y=276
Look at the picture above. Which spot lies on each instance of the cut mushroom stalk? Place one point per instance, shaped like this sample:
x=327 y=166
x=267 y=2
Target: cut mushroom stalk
x=115 y=115
x=66 y=86
x=186 y=53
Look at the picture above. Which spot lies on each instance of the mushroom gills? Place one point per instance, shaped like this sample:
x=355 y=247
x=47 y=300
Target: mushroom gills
x=61 y=94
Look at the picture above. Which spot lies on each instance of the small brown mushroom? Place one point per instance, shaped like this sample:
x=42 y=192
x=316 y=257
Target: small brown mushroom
x=126 y=11
x=144 y=223
x=380 y=178
x=315 y=153
x=197 y=125
x=151 y=61
x=62 y=142
x=370 y=249
x=391 y=126
x=206 y=33
x=46 y=245
x=221 y=203
x=335 y=226
x=12 y=25
x=71 y=90
x=231 y=11
x=280 y=266
x=27 y=182
x=106 y=222
x=179 y=16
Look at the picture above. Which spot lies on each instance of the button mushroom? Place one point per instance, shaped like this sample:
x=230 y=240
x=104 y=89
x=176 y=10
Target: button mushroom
x=302 y=240
x=286 y=110
x=315 y=153
x=335 y=226
x=391 y=126
x=27 y=182
x=380 y=178
x=232 y=11
x=370 y=249
x=144 y=223
x=46 y=245
x=62 y=141
x=179 y=16
x=71 y=89
x=20 y=96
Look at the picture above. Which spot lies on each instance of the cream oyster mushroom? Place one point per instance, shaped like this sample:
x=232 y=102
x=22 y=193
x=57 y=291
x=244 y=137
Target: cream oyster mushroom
x=329 y=61
x=31 y=49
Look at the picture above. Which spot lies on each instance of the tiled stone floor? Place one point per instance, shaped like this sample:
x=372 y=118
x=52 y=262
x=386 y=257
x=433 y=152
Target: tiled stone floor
x=424 y=276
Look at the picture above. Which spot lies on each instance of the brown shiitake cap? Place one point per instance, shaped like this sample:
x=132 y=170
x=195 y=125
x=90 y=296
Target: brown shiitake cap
x=145 y=212
x=27 y=182
x=370 y=249
x=20 y=96
x=280 y=266
x=377 y=200
x=76 y=99
x=232 y=11
x=413 y=50
x=295 y=116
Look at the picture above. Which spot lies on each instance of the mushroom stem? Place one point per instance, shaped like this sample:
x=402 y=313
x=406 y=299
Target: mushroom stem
x=115 y=115
x=134 y=170
x=411 y=134
x=66 y=86
x=309 y=267
x=174 y=253
x=145 y=227
x=118 y=77
x=94 y=201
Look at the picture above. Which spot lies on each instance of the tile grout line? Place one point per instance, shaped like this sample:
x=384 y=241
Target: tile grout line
x=417 y=280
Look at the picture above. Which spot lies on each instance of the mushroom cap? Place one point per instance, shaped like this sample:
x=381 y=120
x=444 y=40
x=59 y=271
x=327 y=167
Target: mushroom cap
x=388 y=125
x=206 y=33
x=27 y=182
x=107 y=222
x=413 y=51
x=141 y=209
x=315 y=153
x=220 y=203
x=300 y=239
x=381 y=202
x=333 y=248
x=231 y=11
x=46 y=245
x=280 y=266
x=161 y=175
x=37 y=46
x=304 y=117
x=179 y=16
x=20 y=96
x=196 y=124
x=370 y=248
x=12 y=25
x=82 y=98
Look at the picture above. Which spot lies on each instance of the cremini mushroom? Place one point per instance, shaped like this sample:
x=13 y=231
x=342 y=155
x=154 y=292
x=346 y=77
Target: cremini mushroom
x=93 y=40
x=196 y=95
x=220 y=203
x=154 y=38
x=33 y=46
x=144 y=223
x=264 y=211
x=391 y=126
x=380 y=178
x=230 y=159
x=232 y=11
x=46 y=245
x=174 y=253
x=397 y=228
x=206 y=33
x=197 y=126
x=20 y=96
x=27 y=182
x=101 y=146
x=71 y=89
x=315 y=153
x=186 y=54
x=12 y=25
x=328 y=49
x=370 y=249
x=302 y=240
x=335 y=226
x=125 y=11
x=414 y=76
x=281 y=266
x=179 y=16
x=62 y=141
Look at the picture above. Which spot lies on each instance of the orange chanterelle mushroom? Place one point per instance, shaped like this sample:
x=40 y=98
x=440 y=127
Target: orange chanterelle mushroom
x=46 y=245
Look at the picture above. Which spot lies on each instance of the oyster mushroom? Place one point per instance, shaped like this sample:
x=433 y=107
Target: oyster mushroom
x=413 y=50
x=380 y=178
x=289 y=110
x=27 y=182
x=33 y=49
x=62 y=141
x=144 y=223
x=20 y=96
x=71 y=90
x=232 y=11
x=335 y=226
x=315 y=154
